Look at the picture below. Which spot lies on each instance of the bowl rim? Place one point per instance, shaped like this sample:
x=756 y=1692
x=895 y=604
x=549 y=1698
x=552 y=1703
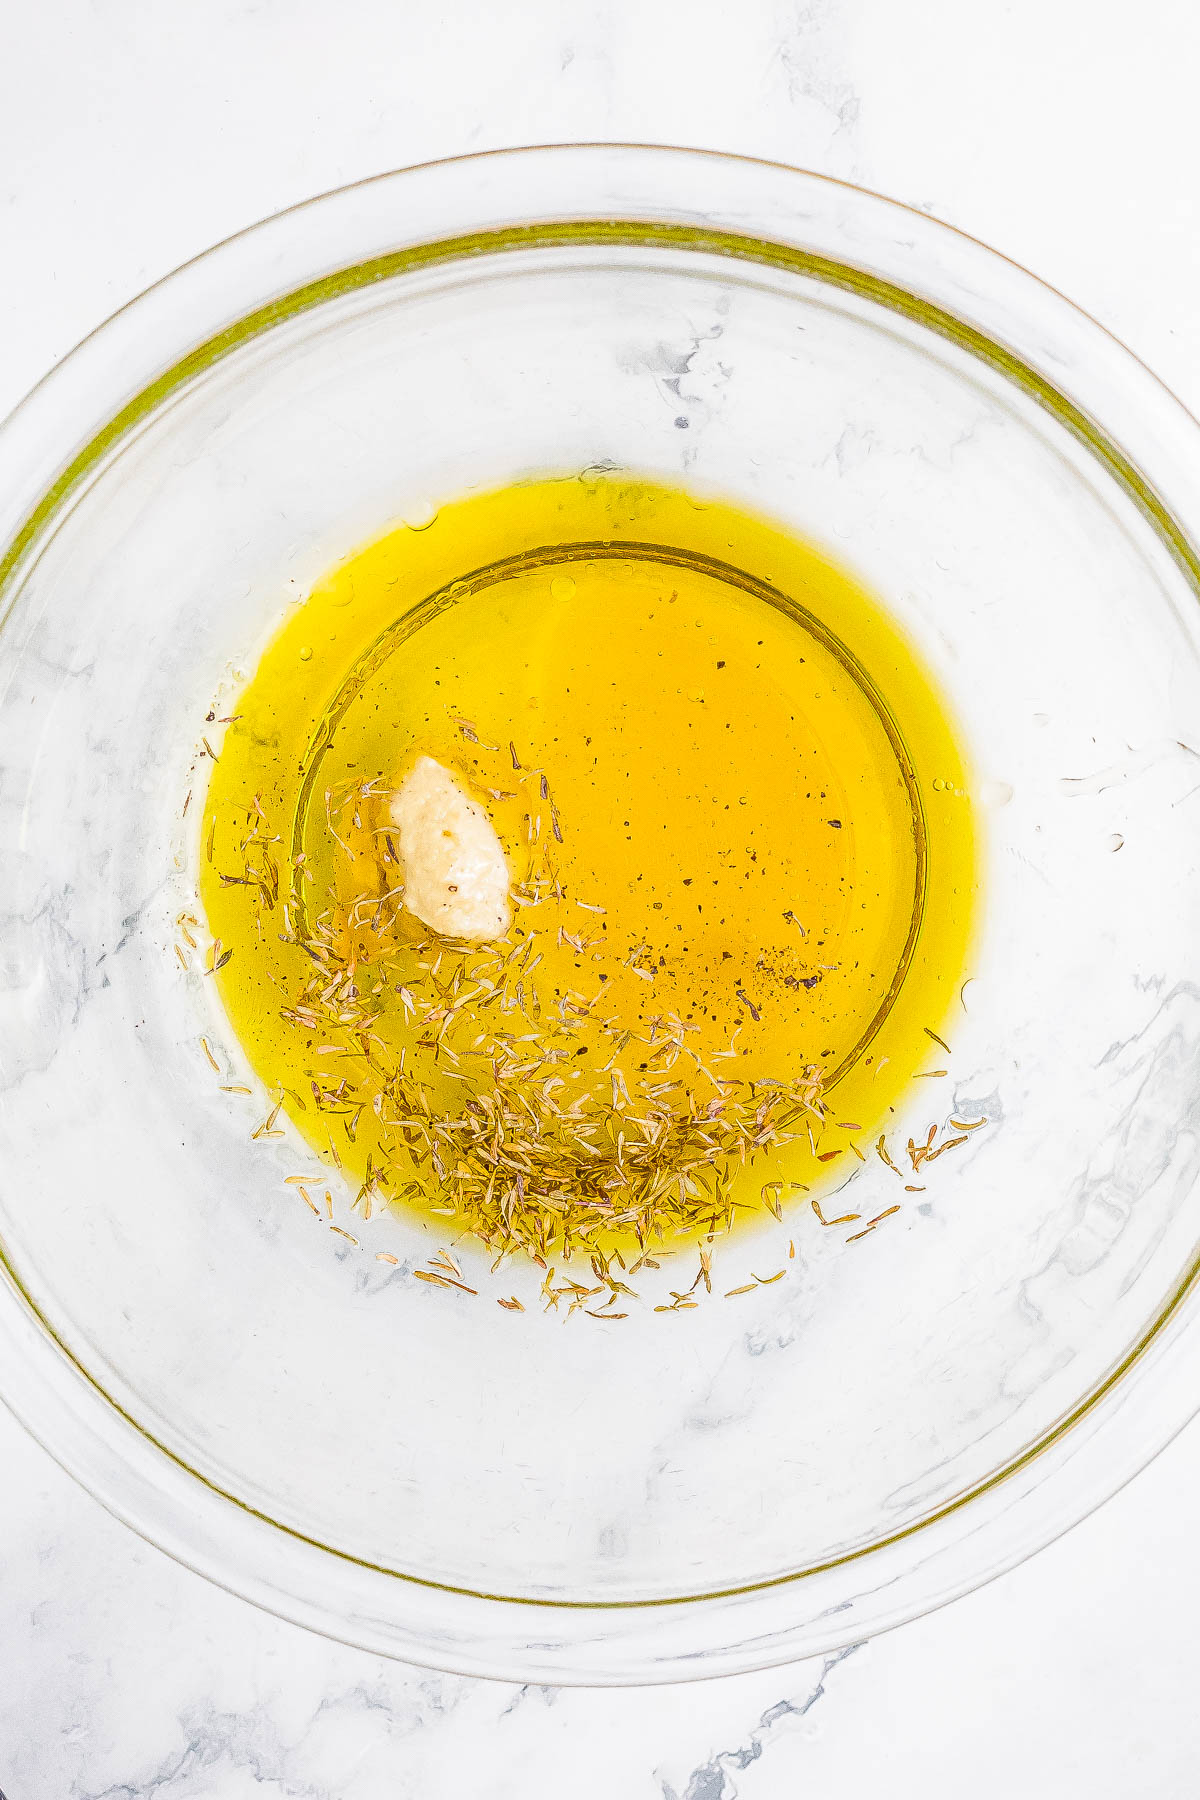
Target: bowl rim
x=937 y=277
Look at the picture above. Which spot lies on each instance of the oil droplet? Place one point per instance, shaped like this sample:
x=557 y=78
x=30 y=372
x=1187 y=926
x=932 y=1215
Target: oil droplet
x=996 y=793
x=938 y=784
x=305 y=653
x=562 y=587
x=419 y=514
x=1116 y=841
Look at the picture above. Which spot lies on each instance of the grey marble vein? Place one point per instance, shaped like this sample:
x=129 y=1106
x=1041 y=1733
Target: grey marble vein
x=714 y=1779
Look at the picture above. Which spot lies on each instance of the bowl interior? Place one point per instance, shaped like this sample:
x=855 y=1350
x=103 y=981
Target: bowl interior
x=434 y=1434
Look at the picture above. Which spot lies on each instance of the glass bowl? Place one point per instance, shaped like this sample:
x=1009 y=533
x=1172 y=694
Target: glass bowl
x=522 y=1494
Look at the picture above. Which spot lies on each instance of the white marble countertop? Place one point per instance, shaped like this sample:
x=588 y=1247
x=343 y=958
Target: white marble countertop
x=134 y=134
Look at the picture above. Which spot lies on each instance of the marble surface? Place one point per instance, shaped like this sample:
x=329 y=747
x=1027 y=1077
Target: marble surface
x=133 y=135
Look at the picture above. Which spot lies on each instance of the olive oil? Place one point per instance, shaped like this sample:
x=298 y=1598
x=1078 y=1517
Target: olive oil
x=731 y=799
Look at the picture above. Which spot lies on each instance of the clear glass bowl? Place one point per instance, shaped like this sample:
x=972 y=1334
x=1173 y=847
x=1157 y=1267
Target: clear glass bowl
x=518 y=1494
